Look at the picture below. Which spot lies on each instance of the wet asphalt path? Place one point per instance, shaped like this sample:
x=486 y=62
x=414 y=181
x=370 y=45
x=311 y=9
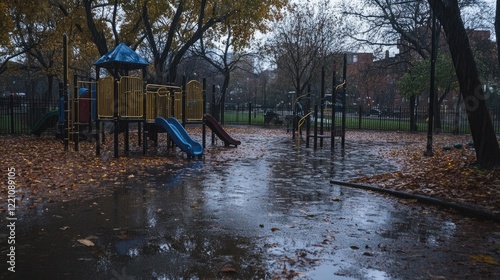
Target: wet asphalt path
x=260 y=211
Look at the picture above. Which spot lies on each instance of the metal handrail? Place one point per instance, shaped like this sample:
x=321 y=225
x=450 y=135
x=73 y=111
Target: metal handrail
x=299 y=125
x=297 y=99
x=341 y=85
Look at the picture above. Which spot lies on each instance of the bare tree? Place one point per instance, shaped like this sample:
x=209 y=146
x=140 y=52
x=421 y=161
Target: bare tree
x=389 y=23
x=225 y=58
x=300 y=43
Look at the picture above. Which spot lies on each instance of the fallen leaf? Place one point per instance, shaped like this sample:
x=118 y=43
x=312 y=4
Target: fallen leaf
x=228 y=269
x=86 y=242
x=485 y=258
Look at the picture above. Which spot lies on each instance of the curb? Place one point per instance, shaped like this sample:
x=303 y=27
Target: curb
x=464 y=209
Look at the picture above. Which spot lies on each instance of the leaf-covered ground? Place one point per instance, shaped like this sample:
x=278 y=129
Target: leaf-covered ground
x=450 y=175
x=46 y=173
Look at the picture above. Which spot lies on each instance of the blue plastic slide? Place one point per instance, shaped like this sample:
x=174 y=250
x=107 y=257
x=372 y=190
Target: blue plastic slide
x=180 y=136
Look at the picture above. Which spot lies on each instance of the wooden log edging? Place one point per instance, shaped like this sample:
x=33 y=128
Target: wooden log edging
x=468 y=210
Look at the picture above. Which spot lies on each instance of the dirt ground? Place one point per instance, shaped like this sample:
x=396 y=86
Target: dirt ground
x=47 y=173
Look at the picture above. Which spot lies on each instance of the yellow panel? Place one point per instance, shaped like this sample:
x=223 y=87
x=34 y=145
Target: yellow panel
x=194 y=101
x=130 y=97
x=105 y=98
x=163 y=103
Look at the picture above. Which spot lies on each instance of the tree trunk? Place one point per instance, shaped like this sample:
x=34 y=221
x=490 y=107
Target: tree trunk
x=225 y=85
x=497 y=29
x=50 y=86
x=483 y=133
x=98 y=36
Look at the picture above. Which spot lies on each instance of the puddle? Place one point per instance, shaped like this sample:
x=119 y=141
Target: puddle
x=271 y=215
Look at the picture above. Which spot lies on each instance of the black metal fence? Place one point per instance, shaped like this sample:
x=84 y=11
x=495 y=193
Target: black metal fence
x=390 y=119
x=18 y=114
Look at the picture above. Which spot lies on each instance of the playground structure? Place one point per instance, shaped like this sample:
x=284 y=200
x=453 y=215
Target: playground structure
x=299 y=120
x=121 y=99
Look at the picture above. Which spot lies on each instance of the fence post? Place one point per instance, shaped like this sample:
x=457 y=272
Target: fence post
x=11 y=107
x=76 y=113
x=399 y=118
x=212 y=111
x=212 y=107
x=250 y=113
x=360 y=116
x=184 y=119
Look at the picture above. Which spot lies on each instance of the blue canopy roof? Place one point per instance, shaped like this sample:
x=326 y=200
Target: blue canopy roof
x=122 y=57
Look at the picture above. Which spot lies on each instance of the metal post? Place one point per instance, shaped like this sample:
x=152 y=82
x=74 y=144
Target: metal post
x=250 y=113
x=184 y=101
x=294 y=121
x=91 y=101
x=360 y=116
x=76 y=114
x=322 y=109
x=316 y=127
x=430 y=124
x=116 y=121
x=203 y=126
x=334 y=104
x=213 y=111
x=144 y=117
x=11 y=107
x=65 y=92
x=344 y=101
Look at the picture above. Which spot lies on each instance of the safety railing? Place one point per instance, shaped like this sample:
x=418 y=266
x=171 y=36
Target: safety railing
x=158 y=100
x=300 y=123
